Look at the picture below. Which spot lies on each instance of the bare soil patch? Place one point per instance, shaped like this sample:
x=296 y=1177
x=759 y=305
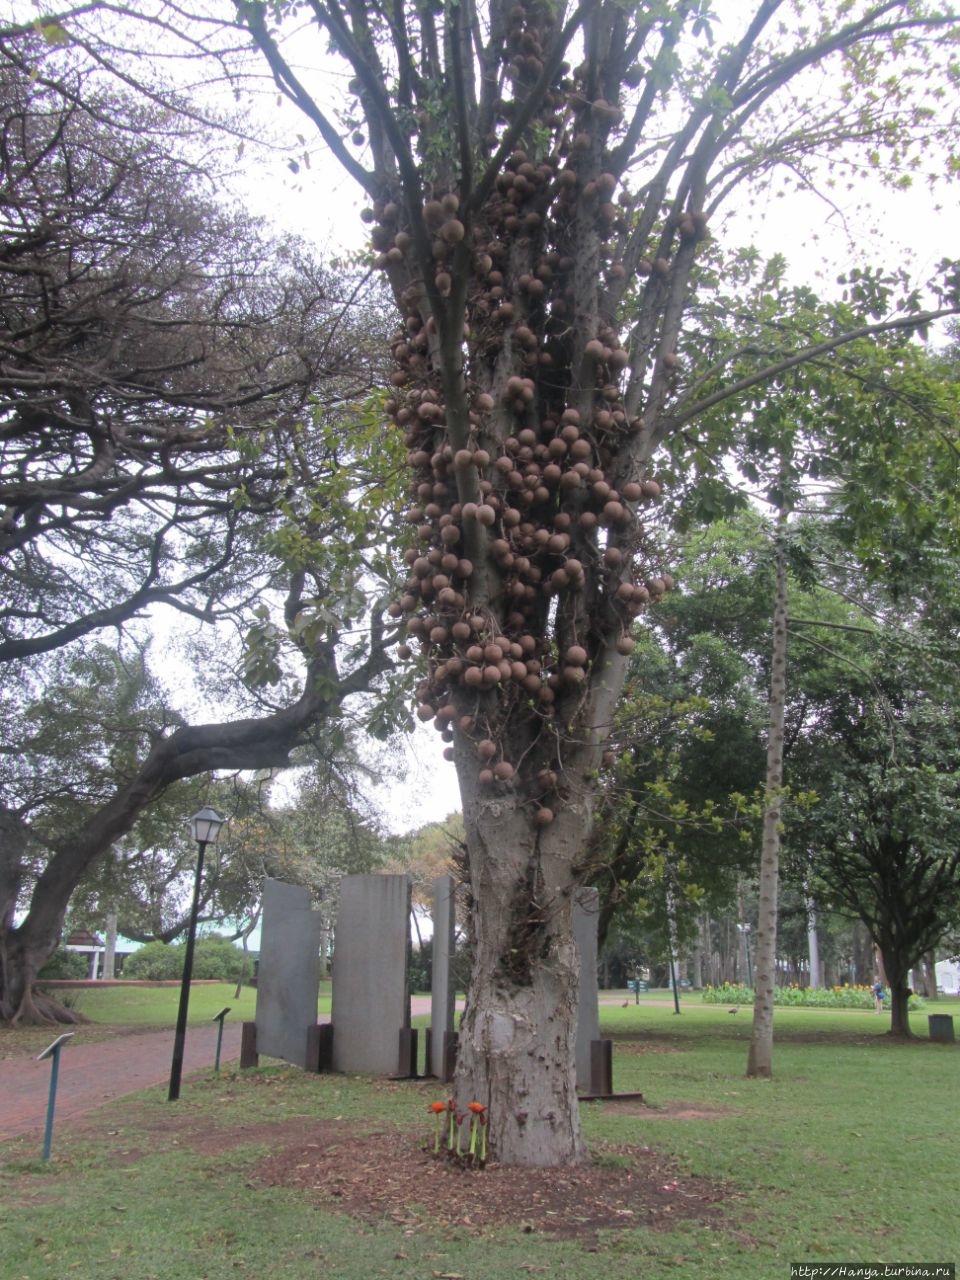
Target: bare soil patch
x=667 y=1111
x=392 y=1175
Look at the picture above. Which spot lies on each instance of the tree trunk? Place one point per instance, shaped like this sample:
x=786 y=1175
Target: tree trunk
x=711 y=973
x=674 y=953
x=696 y=965
x=760 y=1057
x=729 y=954
x=865 y=958
x=813 y=945
x=245 y=945
x=110 y=948
x=895 y=968
x=899 y=1010
x=930 y=975
x=20 y=1003
x=518 y=1032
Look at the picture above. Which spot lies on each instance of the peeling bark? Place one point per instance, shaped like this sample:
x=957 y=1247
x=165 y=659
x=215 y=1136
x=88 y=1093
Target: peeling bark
x=517 y=1034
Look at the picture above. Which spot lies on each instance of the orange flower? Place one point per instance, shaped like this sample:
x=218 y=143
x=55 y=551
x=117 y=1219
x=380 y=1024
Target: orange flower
x=437 y=1109
x=477 y=1121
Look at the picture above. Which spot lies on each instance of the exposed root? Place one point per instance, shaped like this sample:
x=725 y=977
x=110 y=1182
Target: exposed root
x=37 y=1009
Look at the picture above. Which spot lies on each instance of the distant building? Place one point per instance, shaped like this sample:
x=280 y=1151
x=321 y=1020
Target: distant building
x=92 y=948
x=948 y=976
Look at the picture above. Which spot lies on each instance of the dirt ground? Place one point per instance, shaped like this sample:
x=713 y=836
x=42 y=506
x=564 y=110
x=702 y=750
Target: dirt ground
x=391 y=1175
x=394 y=1175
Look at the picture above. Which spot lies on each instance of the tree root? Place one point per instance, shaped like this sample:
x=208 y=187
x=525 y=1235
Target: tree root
x=37 y=1009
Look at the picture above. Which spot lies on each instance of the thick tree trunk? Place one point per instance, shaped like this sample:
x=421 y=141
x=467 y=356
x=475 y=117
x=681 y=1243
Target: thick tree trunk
x=896 y=975
x=20 y=962
x=760 y=1057
x=865 y=955
x=899 y=1011
x=517 y=1050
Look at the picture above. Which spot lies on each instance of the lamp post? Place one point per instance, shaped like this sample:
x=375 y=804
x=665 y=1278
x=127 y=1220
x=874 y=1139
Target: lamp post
x=205 y=828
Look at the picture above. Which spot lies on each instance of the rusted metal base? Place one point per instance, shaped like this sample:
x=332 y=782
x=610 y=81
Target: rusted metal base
x=601 y=1067
x=248 y=1045
x=601 y=1076
x=407 y=1065
x=609 y=1097
x=427 y=1052
x=319 y=1048
x=451 y=1045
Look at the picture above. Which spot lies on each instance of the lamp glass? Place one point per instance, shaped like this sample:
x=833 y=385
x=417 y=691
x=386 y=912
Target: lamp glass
x=205 y=826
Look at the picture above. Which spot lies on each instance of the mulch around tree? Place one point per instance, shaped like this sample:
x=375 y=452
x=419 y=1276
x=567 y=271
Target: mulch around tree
x=393 y=1175
x=390 y=1175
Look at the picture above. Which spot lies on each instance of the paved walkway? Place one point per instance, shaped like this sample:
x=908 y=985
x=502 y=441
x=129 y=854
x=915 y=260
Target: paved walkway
x=93 y=1073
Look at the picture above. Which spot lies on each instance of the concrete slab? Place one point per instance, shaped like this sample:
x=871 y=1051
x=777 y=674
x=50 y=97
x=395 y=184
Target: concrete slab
x=288 y=976
x=371 y=1000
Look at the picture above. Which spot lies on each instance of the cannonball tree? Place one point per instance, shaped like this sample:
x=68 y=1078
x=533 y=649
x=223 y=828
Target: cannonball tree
x=540 y=180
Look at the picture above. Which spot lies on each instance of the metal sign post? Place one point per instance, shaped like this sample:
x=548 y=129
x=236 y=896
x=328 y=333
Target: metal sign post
x=52 y=1051
x=219 y=1017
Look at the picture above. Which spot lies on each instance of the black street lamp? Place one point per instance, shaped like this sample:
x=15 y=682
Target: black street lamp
x=205 y=828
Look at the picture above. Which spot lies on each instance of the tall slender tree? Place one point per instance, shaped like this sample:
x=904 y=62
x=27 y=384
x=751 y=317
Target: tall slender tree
x=760 y=1056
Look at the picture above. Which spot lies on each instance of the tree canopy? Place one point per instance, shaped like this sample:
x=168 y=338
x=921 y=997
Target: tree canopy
x=173 y=385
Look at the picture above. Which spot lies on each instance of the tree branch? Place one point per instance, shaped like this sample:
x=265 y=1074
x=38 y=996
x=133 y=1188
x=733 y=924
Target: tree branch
x=682 y=413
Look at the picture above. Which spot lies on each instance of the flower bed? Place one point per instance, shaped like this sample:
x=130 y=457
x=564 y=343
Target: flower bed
x=844 y=997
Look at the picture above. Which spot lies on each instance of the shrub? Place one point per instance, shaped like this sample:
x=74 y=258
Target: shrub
x=66 y=964
x=155 y=962
x=844 y=997
x=729 y=993
x=217 y=958
x=213 y=958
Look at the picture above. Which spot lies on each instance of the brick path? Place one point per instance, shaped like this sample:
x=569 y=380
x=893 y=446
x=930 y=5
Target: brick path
x=93 y=1073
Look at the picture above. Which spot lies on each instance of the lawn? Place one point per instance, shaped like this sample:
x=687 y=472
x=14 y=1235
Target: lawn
x=848 y=1155
x=157 y=1006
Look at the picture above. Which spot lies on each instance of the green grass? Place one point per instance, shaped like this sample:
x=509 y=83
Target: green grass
x=157 y=1006
x=847 y=1155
